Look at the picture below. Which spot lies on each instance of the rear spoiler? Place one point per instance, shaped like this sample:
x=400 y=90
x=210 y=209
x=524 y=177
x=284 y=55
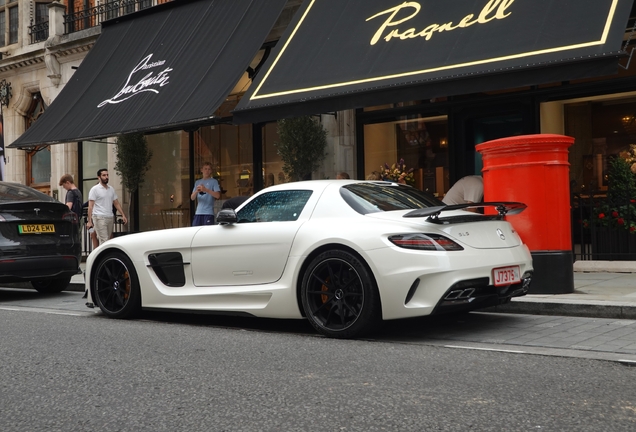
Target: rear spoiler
x=503 y=208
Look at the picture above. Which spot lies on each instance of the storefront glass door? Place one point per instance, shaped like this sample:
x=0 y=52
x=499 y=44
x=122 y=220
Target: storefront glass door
x=492 y=128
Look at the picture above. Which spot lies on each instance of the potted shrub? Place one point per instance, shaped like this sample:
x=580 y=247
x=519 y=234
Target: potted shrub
x=301 y=146
x=133 y=161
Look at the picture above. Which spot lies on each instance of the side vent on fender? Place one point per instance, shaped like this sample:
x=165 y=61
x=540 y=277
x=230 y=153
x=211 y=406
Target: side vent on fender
x=169 y=268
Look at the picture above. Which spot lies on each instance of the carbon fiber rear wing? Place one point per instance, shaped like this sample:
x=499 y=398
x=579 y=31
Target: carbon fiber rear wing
x=503 y=209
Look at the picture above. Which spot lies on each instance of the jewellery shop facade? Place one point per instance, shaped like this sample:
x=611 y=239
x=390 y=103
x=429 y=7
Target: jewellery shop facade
x=389 y=80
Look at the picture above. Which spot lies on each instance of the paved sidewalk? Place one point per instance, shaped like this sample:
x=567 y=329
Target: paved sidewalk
x=597 y=293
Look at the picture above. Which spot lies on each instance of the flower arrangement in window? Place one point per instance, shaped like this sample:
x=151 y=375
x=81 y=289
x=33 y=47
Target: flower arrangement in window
x=398 y=173
x=629 y=156
x=619 y=210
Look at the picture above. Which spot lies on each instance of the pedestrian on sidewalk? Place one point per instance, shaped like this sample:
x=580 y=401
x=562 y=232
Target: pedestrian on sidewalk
x=205 y=191
x=73 y=195
x=101 y=199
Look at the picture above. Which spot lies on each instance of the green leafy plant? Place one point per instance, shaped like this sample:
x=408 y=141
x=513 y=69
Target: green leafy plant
x=301 y=146
x=133 y=161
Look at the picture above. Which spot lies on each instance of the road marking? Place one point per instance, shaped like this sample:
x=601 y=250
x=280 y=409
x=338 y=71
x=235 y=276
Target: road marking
x=623 y=322
x=47 y=311
x=553 y=352
x=484 y=349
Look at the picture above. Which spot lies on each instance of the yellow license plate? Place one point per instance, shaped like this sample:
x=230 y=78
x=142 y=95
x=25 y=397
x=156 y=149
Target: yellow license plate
x=36 y=229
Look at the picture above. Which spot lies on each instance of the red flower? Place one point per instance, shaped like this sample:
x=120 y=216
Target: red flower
x=620 y=221
x=632 y=201
x=601 y=215
x=614 y=214
x=632 y=229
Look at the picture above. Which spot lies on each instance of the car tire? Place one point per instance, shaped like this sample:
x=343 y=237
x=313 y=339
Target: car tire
x=339 y=295
x=115 y=286
x=50 y=286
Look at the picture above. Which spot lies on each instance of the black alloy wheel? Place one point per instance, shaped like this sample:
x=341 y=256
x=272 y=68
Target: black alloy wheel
x=339 y=295
x=49 y=286
x=116 y=286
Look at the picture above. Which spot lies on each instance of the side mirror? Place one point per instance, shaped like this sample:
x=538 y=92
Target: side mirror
x=226 y=217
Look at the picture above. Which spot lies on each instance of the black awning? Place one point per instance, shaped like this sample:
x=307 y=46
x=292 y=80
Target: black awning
x=341 y=54
x=168 y=66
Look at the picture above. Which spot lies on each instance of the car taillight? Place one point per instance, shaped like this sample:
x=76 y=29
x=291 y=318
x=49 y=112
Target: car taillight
x=429 y=242
x=71 y=217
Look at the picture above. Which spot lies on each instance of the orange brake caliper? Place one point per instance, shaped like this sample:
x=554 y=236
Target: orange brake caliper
x=324 y=297
x=127 y=290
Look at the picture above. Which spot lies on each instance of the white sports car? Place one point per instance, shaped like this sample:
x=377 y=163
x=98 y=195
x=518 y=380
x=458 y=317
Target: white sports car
x=343 y=254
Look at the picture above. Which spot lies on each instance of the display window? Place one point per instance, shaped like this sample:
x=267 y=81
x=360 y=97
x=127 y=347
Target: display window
x=164 y=197
x=420 y=142
x=602 y=128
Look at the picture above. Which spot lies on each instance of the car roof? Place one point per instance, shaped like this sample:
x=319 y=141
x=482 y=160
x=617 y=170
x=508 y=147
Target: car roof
x=317 y=184
x=12 y=192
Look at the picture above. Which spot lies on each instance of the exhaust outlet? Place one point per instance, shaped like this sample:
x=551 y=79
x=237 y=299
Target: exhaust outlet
x=467 y=293
x=460 y=294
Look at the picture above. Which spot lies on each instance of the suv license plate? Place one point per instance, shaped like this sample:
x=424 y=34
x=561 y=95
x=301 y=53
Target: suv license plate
x=506 y=275
x=36 y=229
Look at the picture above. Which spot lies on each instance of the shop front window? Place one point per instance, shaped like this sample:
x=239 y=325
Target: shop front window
x=164 y=196
x=229 y=149
x=421 y=142
x=40 y=166
x=602 y=129
x=94 y=158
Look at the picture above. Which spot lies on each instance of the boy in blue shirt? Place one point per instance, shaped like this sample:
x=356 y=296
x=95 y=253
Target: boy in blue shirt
x=206 y=190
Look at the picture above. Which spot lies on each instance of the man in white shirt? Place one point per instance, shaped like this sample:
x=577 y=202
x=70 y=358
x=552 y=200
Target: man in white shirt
x=101 y=199
x=467 y=190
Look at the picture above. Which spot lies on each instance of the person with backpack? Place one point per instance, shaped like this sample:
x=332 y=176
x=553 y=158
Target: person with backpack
x=73 y=195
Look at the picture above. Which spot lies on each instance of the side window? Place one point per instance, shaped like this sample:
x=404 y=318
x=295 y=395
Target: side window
x=280 y=206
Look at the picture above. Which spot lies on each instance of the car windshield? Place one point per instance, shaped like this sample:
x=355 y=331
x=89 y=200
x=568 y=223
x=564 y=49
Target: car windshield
x=368 y=198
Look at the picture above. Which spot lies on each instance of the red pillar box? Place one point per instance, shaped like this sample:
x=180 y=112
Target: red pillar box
x=534 y=169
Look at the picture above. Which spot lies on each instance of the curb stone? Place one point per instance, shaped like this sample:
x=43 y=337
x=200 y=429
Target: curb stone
x=613 y=310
